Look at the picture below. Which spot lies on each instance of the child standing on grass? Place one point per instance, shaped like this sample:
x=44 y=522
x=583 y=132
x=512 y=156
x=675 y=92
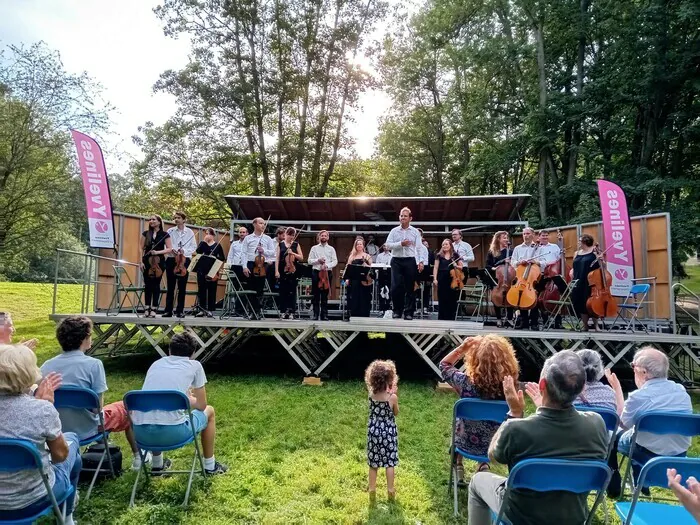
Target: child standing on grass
x=382 y=437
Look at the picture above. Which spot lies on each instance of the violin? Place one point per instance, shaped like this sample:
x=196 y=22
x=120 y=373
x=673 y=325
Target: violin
x=522 y=294
x=180 y=268
x=505 y=274
x=290 y=257
x=551 y=291
x=154 y=269
x=601 y=303
x=323 y=283
x=368 y=281
x=457 y=276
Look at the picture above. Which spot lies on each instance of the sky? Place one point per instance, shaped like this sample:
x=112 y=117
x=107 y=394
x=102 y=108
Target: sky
x=121 y=45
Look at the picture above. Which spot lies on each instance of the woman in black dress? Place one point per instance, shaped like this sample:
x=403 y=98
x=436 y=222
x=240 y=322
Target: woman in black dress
x=446 y=260
x=206 y=291
x=498 y=255
x=359 y=291
x=154 y=244
x=585 y=261
x=287 y=280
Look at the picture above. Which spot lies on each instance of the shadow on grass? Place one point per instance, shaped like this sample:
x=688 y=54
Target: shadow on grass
x=387 y=513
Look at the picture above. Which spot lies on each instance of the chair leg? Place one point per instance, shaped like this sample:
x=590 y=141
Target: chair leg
x=142 y=453
x=455 y=494
x=189 y=482
x=97 y=472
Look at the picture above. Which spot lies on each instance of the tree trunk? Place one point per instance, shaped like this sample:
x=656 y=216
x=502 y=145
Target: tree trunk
x=542 y=185
x=576 y=138
x=280 y=102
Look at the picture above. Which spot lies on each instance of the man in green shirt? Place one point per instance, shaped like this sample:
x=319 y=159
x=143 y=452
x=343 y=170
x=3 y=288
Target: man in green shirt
x=556 y=430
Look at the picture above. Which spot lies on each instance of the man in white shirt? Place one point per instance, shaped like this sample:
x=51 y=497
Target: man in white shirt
x=462 y=249
x=403 y=242
x=384 y=257
x=235 y=252
x=522 y=254
x=257 y=243
x=371 y=248
x=548 y=254
x=182 y=239
x=321 y=257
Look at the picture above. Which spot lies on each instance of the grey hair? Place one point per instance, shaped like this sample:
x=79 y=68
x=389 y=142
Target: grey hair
x=654 y=361
x=592 y=364
x=564 y=376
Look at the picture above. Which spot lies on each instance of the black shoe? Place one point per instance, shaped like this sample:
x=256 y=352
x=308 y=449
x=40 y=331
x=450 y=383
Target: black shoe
x=315 y=317
x=167 y=314
x=535 y=328
x=394 y=315
x=324 y=318
x=408 y=317
x=219 y=468
x=180 y=315
x=646 y=492
x=159 y=471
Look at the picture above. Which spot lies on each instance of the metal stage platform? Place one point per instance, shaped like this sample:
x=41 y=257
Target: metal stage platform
x=313 y=345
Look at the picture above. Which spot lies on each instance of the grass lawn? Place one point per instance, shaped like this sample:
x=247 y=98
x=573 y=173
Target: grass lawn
x=693 y=280
x=295 y=454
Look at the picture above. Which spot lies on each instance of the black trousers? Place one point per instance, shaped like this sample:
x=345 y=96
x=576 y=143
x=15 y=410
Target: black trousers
x=173 y=281
x=206 y=292
x=319 y=298
x=257 y=284
x=403 y=276
x=288 y=293
x=152 y=290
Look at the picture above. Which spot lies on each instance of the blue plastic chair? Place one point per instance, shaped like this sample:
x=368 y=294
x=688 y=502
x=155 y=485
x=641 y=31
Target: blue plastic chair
x=632 y=304
x=79 y=398
x=19 y=454
x=610 y=417
x=169 y=401
x=471 y=409
x=545 y=475
x=653 y=474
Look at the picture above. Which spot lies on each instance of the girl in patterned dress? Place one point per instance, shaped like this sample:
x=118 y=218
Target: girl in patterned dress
x=382 y=437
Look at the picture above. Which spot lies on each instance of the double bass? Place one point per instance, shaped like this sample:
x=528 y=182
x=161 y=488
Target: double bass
x=601 y=303
x=553 y=272
x=505 y=274
x=522 y=294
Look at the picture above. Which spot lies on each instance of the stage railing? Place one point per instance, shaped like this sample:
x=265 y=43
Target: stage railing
x=687 y=305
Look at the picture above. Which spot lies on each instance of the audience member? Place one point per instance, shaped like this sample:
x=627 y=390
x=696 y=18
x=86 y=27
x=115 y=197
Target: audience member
x=689 y=497
x=34 y=418
x=595 y=393
x=7 y=330
x=488 y=359
x=179 y=371
x=74 y=334
x=654 y=392
x=556 y=430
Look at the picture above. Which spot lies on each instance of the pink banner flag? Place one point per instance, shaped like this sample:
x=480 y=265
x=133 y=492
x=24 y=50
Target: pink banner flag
x=96 y=187
x=618 y=236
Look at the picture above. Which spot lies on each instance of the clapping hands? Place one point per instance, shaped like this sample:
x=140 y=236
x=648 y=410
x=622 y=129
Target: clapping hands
x=48 y=386
x=533 y=392
x=514 y=398
x=689 y=497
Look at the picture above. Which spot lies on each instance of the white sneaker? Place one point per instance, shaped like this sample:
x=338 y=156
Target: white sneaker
x=136 y=462
x=388 y=314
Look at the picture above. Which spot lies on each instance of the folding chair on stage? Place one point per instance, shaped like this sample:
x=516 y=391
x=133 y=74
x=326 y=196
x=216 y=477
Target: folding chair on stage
x=653 y=474
x=268 y=301
x=304 y=296
x=169 y=401
x=237 y=297
x=77 y=398
x=473 y=295
x=634 y=302
x=17 y=455
x=545 y=475
x=564 y=307
x=122 y=288
x=471 y=409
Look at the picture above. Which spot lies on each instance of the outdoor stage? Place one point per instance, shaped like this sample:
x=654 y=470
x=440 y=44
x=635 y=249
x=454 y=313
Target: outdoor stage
x=314 y=345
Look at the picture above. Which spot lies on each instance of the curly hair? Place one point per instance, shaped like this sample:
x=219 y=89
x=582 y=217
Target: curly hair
x=489 y=363
x=73 y=331
x=380 y=376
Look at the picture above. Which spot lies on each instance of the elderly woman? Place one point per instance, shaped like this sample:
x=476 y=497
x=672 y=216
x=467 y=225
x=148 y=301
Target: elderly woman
x=595 y=393
x=34 y=418
x=488 y=359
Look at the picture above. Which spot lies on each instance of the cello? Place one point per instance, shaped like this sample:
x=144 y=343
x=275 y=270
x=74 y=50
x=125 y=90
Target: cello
x=553 y=272
x=601 y=303
x=505 y=274
x=522 y=294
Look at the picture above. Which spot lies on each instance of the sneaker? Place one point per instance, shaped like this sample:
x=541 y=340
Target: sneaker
x=209 y=314
x=219 y=468
x=167 y=314
x=408 y=317
x=394 y=315
x=166 y=466
x=136 y=462
x=388 y=314
x=290 y=317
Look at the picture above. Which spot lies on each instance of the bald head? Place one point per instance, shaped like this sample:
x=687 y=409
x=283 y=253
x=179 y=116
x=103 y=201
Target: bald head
x=653 y=361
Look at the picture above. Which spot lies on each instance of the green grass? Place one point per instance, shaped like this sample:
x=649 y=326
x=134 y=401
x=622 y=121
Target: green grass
x=295 y=454
x=693 y=280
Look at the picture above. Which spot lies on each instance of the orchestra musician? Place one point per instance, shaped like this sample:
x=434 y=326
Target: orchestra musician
x=384 y=279
x=271 y=275
x=371 y=248
x=522 y=255
x=254 y=244
x=498 y=255
x=182 y=238
x=384 y=257
x=402 y=241
x=206 y=288
x=359 y=291
x=423 y=255
x=235 y=251
x=155 y=243
x=548 y=254
x=288 y=279
x=462 y=249
x=585 y=261
x=445 y=261
x=321 y=257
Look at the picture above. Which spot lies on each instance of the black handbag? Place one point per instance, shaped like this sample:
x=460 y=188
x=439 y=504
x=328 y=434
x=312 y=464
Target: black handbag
x=91 y=458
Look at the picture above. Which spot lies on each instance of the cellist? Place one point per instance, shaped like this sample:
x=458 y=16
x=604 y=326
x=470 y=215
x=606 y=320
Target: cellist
x=585 y=261
x=498 y=255
x=321 y=257
x=522 y=255
x=257 y=244
x=548 y=256
x=155 y=243
x=285 y=273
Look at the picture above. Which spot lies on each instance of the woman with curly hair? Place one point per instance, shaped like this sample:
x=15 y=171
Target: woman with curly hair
x=382 y=437
x=488 y=360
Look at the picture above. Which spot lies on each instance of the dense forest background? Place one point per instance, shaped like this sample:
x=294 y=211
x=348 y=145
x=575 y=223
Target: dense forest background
x=488 y=96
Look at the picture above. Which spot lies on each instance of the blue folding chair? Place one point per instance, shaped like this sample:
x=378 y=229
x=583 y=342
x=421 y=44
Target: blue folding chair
x=545 y=475
x=653 y=474
x=17 y=455
x=610 y=417
x=169 y=401
x=79 y=398
x=634 y=302
x=471 y=409
x=662 y=423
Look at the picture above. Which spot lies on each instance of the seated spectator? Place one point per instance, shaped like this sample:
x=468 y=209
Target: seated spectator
x=595 y=393
x=556 y=430
x=489 y=359
x=7 y=330
x=689 y=497
x=74 y=334
x=179 y=371
x=34 y=419
x=655 y=392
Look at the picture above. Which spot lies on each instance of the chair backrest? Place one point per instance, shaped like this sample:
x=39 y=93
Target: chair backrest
x=480 y=410
x=653 y=472
x=544 y=475
x=639 y=288
x=18 y=454
x=149 y=400
x=76 y=397
x=680 y=423
x=612 y=421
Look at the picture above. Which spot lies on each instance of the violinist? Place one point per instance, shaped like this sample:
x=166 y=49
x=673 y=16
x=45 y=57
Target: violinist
x=585 y=261
x=155 y=243
x=322 y=259
x=384 y=256
x=461 y=248
x=499 y=256
x=272 y=279
x=261 y=246
x=206 y=288
x=359 y=290
x=235 y=251
x=523 y=254
x=549 y=258
x=183 y=243
x=446 y=260
x=403 y=241
x=287 y=255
